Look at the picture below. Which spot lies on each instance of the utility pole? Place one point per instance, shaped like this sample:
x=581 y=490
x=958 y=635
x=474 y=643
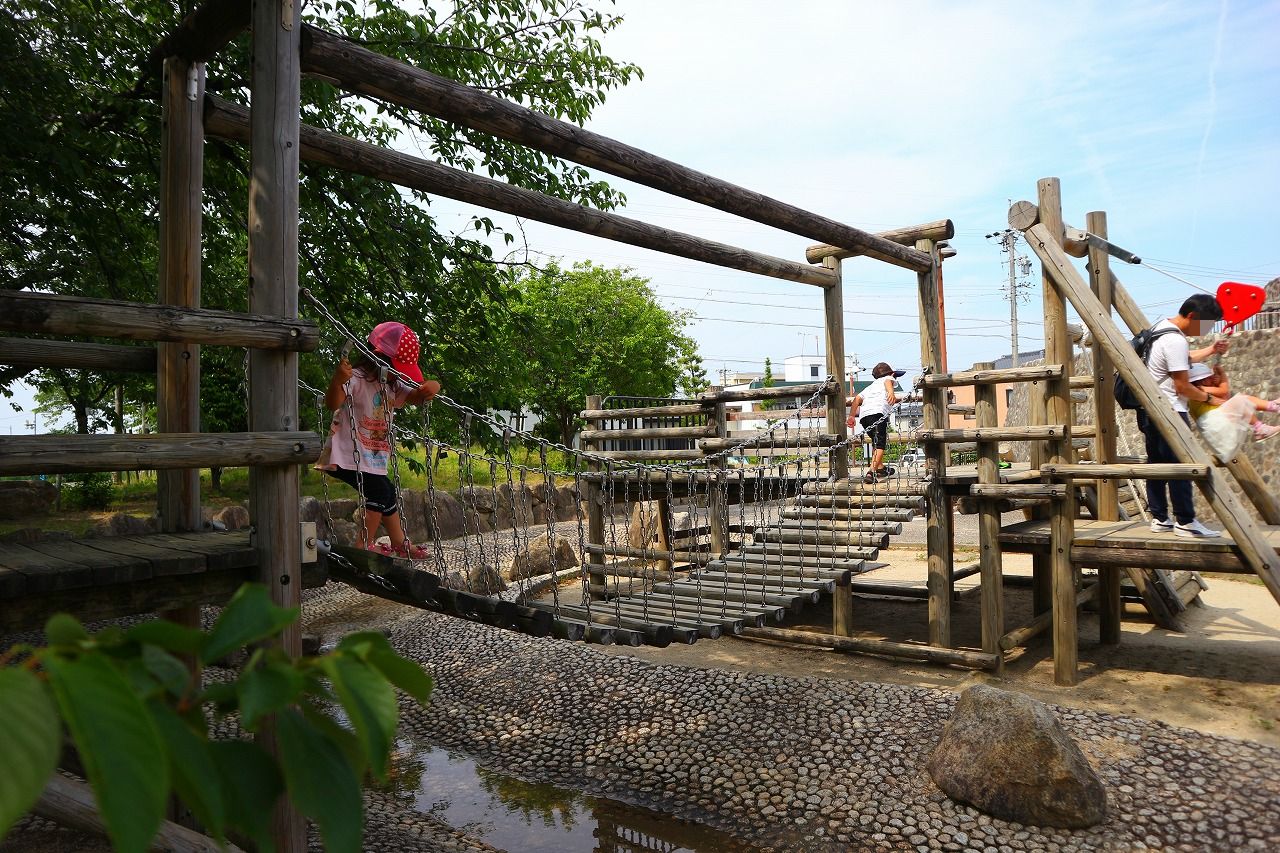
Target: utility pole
x=1008 y=241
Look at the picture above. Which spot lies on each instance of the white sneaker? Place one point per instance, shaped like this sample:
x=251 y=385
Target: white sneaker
x=1161 y=526
x=1195 y=530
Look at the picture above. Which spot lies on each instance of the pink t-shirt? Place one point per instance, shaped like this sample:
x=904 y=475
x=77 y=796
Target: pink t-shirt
x=368 y=399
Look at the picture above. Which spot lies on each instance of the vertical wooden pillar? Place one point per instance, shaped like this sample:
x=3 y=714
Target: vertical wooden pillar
x=717 y=496
x=989 y=555
x=273 y=291
x=595 y=512
x=837 y=415
x=1104 y=419
x=178 y=364
x=938 y=536
x=1057 y=347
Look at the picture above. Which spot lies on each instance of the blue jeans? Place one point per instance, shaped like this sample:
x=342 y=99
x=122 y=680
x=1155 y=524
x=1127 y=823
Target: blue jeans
x=1158 y=450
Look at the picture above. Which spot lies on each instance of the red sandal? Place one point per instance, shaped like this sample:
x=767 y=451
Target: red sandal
x=413 y=552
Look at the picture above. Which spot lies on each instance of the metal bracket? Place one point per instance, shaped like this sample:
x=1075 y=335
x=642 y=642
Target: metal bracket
x=194 y=72
x=286 y=14
x=310 y=545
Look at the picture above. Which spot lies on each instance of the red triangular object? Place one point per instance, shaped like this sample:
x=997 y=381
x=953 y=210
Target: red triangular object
x=1239 y=301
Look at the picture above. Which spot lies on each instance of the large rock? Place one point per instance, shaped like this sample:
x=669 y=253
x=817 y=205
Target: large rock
x=447 y=523
x=566 y=503
x=123 y=524
x=481 y=579
x=234 y=517
x=515 y=507
x=478 y=498
x=537 y=560
x=1006 y=754
x=23 y=498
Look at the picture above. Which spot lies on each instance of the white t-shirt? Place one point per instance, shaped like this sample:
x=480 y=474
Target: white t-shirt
x=373 y=405
x=1169 y=353
x=875 y=398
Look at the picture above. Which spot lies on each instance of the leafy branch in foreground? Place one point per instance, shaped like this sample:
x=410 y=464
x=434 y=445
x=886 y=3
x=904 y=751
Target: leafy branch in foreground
x=140 y=721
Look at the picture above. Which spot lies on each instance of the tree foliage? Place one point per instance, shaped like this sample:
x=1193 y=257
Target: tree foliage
x=140 y=721
x=593 y=330
x=79 y=154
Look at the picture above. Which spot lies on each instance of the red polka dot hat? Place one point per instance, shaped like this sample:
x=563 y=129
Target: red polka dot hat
x=397 y=342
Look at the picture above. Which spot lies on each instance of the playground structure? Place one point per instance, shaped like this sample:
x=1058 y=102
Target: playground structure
x=815 y=523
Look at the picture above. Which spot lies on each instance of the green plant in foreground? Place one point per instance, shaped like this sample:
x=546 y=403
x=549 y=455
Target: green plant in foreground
x=140 y=722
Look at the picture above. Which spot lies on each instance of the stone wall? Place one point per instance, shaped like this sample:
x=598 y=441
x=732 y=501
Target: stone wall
x=1253 y=364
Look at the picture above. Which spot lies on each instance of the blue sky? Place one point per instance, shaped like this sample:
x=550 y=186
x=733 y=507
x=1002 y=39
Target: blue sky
x=1165 y=115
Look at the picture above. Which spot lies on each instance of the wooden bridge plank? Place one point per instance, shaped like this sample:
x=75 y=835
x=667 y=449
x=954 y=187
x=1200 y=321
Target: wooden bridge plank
x=229 y=550
x=42 y=572
x=164 y=561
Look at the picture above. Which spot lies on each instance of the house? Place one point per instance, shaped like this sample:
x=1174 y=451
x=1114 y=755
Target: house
x=962 y=395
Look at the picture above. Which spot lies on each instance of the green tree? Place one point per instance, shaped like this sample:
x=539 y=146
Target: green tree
x=79 y=148
x=693 y=374
x=767 y=382
x=593 y=330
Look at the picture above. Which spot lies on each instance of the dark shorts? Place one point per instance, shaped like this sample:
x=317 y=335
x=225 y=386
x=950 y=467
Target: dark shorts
x=378 y=492
x=877 y=429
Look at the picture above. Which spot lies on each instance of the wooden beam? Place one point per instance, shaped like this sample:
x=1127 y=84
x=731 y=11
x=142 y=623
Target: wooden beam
x=596 y=435
x=594 y=493
x=938 y=535
x=714 y=445
x=1248 y=536
x=1017 y=490
x=1142 y=471
x=206 y=30
x=931 y=653
x=1015 y=433
x=46 y=313
x=942 y=229
x=837 y=415
x=107 y=358
x=65 y=454
x=362 y=71
x=992 y=377
x=1019 y=636
x=645 y=412
x=989 y=555
x=275 y=91
x=648 y=455
x=775 y=393
x=230 y=121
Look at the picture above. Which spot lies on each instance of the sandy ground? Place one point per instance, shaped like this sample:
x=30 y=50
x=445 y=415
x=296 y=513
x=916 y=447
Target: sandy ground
x=1221 y=676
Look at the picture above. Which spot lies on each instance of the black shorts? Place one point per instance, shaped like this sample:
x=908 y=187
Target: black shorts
x=378 y=492
x=877 y=429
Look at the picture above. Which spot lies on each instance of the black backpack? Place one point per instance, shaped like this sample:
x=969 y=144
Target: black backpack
x=1125 y=398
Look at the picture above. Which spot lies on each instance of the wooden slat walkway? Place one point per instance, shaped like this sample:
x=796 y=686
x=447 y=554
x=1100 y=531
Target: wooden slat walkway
x=124 y=575
x=1131 y=543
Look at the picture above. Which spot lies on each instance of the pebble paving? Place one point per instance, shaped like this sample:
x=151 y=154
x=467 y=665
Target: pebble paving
x=800 y=763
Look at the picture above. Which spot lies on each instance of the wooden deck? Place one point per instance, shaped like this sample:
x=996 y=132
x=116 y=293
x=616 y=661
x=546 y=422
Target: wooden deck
x=1132 y=544
x=122 y=575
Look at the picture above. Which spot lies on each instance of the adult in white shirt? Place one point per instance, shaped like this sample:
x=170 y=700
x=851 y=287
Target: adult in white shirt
x=1169 y=361
x=871 y=409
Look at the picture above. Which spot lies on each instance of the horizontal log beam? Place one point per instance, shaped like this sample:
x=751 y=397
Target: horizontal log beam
x=1019 y=636
x=1017 y=490
x=69 y=454
x=681 y=410
x=933 y=654
x=206 y=30
x=961 y=409
x=1081 y=383
x=231 y=121
x=1022 y=433
x=647 y=433
x=715 y=445
x=770 y=393
x=942 y=229
x=1076 y=241
x=47 y=313
x=364 y=72
x=1171 y=471
x=108 y=358
x=647 y=455
x=991 y=377
x=654 y=554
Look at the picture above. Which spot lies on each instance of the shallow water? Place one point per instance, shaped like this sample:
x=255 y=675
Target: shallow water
x=515 y=815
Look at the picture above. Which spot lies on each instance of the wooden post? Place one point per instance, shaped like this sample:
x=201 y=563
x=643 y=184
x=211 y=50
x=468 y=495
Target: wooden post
x=833 y=308
x=595 y=512
x=1255 y=550
x=1104 y=421
x=938 y=535
x=989 y=521
x=178 y=364
x=273 y=290
x=1057 y=350
x=717 y=495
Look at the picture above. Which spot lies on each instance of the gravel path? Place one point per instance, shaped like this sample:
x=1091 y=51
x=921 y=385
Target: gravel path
x=800 y=763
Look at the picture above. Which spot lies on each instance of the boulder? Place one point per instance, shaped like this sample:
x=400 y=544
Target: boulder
x=234 y=517
x=478 y=522
x=344 y=532
x=477 y=498
x=516 y=504
x=23 y=498
x=537 y=561
x=448 y=518
x=123 y=524
x=480 y=579
x=566 y=503
x=1007 y=755
x=414 y=512
x=312 y=509
x=343 y=508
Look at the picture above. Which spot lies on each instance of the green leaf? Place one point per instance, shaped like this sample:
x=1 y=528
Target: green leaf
x=251 y=784
x=374 y=648
x=250 y=616
x=64 y=630
x=321 y=782
x=370 y=704
x=166 y=669
x=119 y=745
x=267 y=689
x=169 y=636
x=191 y=766
x=30 y=741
